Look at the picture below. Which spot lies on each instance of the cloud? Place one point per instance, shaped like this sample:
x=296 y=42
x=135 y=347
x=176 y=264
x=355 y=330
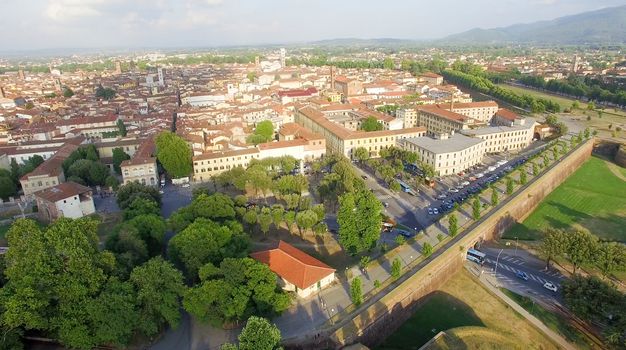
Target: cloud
x=63 y=10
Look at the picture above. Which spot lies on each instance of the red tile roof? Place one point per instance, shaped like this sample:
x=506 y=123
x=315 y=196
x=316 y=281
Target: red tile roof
x=294 y=265
x=62 y=191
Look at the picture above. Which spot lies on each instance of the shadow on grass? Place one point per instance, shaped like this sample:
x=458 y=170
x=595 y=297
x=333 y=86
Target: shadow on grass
x=439 y=312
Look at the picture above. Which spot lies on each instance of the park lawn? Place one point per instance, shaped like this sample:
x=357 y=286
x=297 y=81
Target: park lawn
x=463 y=302
x=593 y=198
x=564 y=102
x=551 y=320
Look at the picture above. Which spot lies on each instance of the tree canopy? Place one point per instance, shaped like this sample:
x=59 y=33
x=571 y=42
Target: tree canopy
x=359 y=219
x=371 y=124
x=174 y=154
x=236 y=290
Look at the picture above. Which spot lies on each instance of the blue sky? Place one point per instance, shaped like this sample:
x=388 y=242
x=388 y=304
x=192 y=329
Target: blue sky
x=35 y=24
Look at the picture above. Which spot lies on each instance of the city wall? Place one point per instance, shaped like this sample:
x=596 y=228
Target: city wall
x=379 y=320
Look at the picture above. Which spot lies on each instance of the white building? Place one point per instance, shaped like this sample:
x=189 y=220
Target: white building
x=505 y=138
x=69 y=199
x=447 y=154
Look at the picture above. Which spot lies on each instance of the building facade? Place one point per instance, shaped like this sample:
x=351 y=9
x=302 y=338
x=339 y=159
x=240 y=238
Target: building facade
x=69 y=199
x=447 y=154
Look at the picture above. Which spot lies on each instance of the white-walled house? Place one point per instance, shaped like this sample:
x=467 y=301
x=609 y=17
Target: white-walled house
x=69 y=199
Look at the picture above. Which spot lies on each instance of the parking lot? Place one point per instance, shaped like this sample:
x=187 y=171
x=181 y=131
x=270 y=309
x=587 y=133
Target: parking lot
x=425 y=208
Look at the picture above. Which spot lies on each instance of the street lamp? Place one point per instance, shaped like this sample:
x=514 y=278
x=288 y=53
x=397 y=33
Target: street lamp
x=497 y=259
x=516 y=242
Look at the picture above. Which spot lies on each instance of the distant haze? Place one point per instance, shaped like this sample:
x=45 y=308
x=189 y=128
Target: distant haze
x=37 y=24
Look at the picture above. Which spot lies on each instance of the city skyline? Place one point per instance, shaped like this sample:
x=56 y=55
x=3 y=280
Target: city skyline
x=49 y=24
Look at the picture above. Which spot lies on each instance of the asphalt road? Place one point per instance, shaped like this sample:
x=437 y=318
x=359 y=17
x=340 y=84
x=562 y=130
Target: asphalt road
x=511 y=262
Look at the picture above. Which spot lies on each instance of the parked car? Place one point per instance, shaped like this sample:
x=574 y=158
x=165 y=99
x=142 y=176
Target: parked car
x=550 y=286
x=364 y=177
x=436 y=211
x=522 y=275
x=454 y=190
x=441 y=196
x=479 y=175
x=491 y=168
x=502 y=162
x=465 y=183
x=406 y=234
x=430 y=211
x=385 y=204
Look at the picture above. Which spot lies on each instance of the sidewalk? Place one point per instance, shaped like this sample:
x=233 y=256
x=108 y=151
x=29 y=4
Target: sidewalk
x=490 y=282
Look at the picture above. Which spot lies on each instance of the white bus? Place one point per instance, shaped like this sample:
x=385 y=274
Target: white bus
x=475 y=256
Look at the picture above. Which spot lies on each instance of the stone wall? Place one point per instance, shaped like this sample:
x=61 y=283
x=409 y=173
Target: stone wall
x=379 y=320
x=620 y=156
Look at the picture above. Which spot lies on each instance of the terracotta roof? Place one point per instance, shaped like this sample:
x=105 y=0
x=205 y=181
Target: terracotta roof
x=62 y=191
x=507 y=114
x=52 y=166
x=293 y=265
x=443 y=113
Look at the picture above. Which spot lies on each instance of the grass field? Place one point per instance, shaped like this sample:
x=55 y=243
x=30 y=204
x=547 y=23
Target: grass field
x=464 y=303
x=551 y=320
x=594 y=198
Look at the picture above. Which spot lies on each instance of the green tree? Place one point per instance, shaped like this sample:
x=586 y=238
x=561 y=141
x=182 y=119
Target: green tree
x=587 y=133
x=290 y=219
x=305 y=220
x=151 y=229
x=264 y=132
x=7 y=187
x=126 y=194
x=400 y=240
x=204 y=241
x=388 y=63
x=553 y=245
x=236 y=290
x=510 y=185
x=494 y=197
x=371 y=124
x=523 y=176
x=141 y=206
x=359 y=219
x=259 y=334
x=394 y=186
x=476 y=208
x=581 y=247
x=427 y=249
x=159 y=286
x=396 y=268
x=112 y=181
x=277 y=215
x=67 y=92
x=356 y=293
x=610 y=257
x=535 y=169
x=121 y=127
x=265 y=220
x=105 y=93
x=453 y=224
x=174 y=154
x=361 y=154
x=91 y=153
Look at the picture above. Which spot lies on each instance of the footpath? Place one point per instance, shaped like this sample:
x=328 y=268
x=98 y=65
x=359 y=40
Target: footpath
x=490 y=282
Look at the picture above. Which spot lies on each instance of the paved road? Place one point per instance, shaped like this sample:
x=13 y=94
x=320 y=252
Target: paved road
x=489 y=282
x=510 y=263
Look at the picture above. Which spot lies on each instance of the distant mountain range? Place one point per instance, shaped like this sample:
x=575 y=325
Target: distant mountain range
x=605 y=26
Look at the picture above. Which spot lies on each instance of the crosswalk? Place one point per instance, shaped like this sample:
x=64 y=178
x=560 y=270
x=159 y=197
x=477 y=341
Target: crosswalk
x=533 y=277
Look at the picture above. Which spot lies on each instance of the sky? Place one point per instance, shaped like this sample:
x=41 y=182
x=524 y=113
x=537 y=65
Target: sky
x=46 y=24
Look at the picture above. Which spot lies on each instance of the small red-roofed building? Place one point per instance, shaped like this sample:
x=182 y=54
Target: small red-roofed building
x=69 y=199
x=297 y=271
